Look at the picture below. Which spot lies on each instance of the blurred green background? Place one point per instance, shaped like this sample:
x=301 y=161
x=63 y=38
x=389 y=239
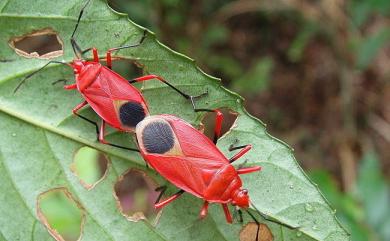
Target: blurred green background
x=316 y=71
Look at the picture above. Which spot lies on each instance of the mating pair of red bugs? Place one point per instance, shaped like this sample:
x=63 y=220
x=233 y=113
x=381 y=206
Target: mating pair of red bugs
x=179 y=152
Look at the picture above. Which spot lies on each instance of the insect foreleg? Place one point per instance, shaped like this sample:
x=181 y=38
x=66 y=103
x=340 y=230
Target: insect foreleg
x=167 y=201
x=204 y=210
x=228 y=216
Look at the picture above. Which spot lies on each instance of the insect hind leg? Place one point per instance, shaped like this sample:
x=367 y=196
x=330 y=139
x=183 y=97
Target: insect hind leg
x=162 y=80
x=228 y=216
x=99 y=133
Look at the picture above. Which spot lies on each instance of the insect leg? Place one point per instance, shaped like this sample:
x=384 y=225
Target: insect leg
x=162 y=190
x=95 y=55
x=65 y=81
x=67 y=87
x=76 y=48
x=244 y=149
x=218 y=125
x=218 y=121
x=247 y=170
x=204 y=210
x=70 y=87
x=162 y=80
x=99 y=133
x=101 y=139
x=241 y=220
x=77 y=108
x=257 y=222
x=266 y=217
x=232 y=147
x=227 y=213
x=108 y=54
x=166 y=201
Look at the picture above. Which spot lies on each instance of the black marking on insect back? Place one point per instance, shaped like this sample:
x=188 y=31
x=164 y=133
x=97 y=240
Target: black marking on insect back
x=157 y=137
x=131 y=113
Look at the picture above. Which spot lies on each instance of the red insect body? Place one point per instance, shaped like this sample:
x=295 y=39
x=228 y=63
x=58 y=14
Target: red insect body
x=192 y=162
x=106 y=91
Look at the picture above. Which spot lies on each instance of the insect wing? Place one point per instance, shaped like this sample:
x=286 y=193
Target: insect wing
x=190 y=174
x=118 y=88
x=193 y=143
x=108 y=88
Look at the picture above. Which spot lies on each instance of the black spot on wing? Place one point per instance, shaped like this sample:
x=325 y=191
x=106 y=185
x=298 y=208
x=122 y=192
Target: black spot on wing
x=158 y=137
x=131 y=113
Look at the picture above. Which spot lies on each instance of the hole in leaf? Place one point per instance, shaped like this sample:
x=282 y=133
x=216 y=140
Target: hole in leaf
x=248 y=232
x=41 y=44
x=135 y=194
x=62 y=215
x=229 y=117
x=90 y=166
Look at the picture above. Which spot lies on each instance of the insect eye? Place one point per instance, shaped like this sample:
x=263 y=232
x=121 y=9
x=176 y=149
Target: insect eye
x=245 y=191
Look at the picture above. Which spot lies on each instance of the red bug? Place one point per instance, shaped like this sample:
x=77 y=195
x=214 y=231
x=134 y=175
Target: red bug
x=189 y=160
x=112 y=97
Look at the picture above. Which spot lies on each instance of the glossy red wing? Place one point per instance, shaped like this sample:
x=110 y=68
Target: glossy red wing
x=117 y=87
x=190 y=174
x=195 y=144
x=102 y=104
x=108 y=87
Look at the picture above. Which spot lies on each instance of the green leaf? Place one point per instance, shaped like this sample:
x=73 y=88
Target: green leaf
x=374 y=192
x=39 y=137
x=300 y=42
x=369 y=47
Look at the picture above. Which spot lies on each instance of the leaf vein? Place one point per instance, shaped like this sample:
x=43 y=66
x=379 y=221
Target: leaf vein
x=8 y=173
x=5 y=5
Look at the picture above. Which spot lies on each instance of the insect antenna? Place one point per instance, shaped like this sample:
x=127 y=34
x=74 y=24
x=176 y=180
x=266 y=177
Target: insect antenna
x=255 y=220
x=266 y=217
x=76 y=48
x=240 y=218
x=36 y=71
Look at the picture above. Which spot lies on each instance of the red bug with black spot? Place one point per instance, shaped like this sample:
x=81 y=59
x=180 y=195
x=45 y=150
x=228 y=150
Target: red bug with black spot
x=112 y=97
x=192 y=162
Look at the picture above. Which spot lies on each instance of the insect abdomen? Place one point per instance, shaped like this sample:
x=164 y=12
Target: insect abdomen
x=157 y=137
x=131 y=113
